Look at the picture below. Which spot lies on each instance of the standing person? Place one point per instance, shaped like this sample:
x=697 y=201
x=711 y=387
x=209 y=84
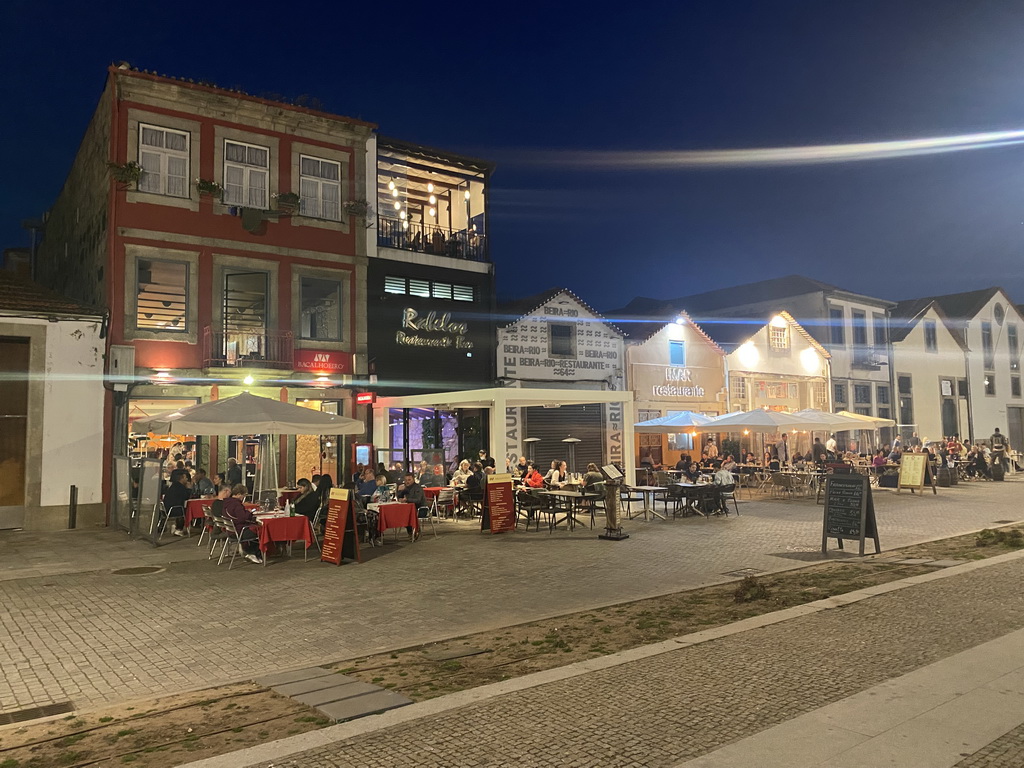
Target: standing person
x=411 y=492
x=818 y=452
x=712 y=449
x=485 y=460
x=915 y=441
x=783 y=449
x=233 y=476
x=999 y=448
x=235 y=511
x=830 y=444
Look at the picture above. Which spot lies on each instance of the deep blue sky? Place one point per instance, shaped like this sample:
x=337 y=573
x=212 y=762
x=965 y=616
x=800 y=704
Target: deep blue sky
x=502 y=82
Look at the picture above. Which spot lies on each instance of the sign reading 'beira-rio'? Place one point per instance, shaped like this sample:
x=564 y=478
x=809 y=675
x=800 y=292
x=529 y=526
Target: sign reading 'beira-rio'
x=320 y=361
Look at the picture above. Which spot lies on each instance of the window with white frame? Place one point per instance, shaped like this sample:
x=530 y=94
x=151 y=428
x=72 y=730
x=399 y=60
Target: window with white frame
x=319 y=188
x=819 y=391
x=778 y=336
x=246 y=174
x=738 y=385
x=163 y=155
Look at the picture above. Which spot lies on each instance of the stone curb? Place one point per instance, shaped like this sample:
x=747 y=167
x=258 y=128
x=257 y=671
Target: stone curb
x=283 y=748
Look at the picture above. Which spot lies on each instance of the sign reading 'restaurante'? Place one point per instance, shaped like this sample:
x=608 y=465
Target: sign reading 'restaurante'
x=432 y=330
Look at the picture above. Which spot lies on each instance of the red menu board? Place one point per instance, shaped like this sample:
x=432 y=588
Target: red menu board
x=340 y=539
x=501 y=503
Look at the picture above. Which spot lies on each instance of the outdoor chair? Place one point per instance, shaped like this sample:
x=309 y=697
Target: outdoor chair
x=212 y=511
x=594 y=503
x=232 y=539
x=626 y=498
x=781 y=484
x=444 y=502
x=529 y=507
x=167 y=514
x=725 y=493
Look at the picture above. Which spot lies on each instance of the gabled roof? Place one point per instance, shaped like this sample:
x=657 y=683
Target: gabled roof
x=23 y=298
x=964 y=306
x=510 y=312
x=907 y=314
x=729 y=333
x=774 y=289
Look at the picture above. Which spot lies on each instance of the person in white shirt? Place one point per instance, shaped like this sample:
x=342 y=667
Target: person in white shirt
x=830 y=444
x=712 y=450
x=461 y=474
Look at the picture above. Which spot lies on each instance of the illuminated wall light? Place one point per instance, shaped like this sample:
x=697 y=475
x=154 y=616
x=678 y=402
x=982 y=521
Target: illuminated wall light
x=398 y=205
x=430 y=186
x=778 y=322
x=394 y=193
x=391 y=185
x=405 y=225
x=248 y=381
x=433 y=199
x=433 y=212
x=401 y=215
x=467 y=194
x=680 y=321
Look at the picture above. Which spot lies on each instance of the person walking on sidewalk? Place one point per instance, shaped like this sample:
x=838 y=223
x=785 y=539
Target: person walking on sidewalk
x=999 y=445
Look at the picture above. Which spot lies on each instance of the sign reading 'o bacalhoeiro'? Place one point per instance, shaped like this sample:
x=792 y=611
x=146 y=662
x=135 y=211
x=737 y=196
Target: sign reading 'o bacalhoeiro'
x=431 y=330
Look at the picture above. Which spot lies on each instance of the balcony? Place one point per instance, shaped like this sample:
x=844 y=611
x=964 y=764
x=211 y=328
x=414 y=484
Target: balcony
x=430 y=238
x=868 y=359
x=247 y=349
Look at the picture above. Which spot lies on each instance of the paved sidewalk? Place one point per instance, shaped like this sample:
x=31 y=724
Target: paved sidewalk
x=921 y=677
x=91 y=637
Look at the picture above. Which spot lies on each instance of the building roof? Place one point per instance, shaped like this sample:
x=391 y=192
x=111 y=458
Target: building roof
x=23 y=298
x=730 y=332
x=513 y=310
x=905 y=315
x=437 y=155
x=964 y=306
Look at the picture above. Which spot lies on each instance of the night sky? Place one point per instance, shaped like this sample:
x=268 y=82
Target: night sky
x=514 y=81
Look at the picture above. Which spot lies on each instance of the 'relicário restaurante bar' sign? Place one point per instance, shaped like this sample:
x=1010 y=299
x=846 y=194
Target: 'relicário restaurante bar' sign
x=432 y=330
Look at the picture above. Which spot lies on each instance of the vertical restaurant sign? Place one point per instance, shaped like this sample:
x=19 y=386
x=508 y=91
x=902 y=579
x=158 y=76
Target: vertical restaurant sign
x=338 y=506
x=501 y=503
x=322 y=362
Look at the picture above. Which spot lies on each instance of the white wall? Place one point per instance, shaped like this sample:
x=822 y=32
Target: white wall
x=72 y=413
x=911 y=357
x=990 y=410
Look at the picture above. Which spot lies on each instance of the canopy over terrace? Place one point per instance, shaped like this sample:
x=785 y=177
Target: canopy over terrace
x=498 y=400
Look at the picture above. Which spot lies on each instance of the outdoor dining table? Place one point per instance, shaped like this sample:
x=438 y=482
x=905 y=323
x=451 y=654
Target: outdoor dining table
x=649 y=492
x=693 y=492
x=199 y=509
x=397 y=515
x=278 y=528
x=572 y=501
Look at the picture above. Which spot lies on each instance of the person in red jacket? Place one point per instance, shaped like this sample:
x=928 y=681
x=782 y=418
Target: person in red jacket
x=533 y=478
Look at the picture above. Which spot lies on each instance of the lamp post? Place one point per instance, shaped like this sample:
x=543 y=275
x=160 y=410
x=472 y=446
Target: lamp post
x=531 y=441
x=571 y=443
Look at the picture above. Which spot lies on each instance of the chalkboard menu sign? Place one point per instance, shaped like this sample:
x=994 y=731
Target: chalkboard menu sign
x=849 y=511
x=341 y=540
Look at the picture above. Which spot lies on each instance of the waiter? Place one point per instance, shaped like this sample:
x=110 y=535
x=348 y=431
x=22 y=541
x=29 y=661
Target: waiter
x=784 y=449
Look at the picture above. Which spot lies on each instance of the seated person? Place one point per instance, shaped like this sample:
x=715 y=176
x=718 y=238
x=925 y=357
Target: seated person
x=382 y=492
x=559 y=475
x=692 y=472
x=202 y=486
x=461 y=474
x=411 y=492
x=308 y=501
x=520 y=469
x=243 y=520
x=799 y=462
x=591 y=477
x=219 y=482
x=367 y=485
x=683 y=463
x=175 y=498
x=723 y=478
x=533 y=479
x=729 y=465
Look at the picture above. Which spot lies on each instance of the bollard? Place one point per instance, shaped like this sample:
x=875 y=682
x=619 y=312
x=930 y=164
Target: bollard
x=73 y=507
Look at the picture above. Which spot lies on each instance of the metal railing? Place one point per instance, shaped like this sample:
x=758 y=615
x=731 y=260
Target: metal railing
x=247 y=349
x=429 y=238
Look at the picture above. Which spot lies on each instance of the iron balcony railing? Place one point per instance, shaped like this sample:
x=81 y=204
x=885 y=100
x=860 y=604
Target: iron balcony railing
x=247 y=349
x=429 y=238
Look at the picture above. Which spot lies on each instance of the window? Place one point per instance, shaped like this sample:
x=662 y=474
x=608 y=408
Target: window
x=677 y=353
x=1014 y=344
x=862 y=394
x=860 y=328
x=163 y=155
x=903 y=383
x=738 y=384
x=882 y=394
x=883 y=413
x=320 y=309
x=246 y=174
x=319 y=188
x=906 y=399
x=835 y=323
x=647 y=415
x=961 y=387
x=819 y=391
x=561 y=339
x=862 y=411
x=881 y=336
x=931 y=339
x=161 y=295
x=839 y=393
x=990 y=384
x=1015 y=386
x=778 y=336
x=987 y=347
x=428 y=289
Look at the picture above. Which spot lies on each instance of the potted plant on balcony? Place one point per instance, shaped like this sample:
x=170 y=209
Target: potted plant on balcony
x=357 y=208
x=207 y=187
x=287 y=203
x=125 y=173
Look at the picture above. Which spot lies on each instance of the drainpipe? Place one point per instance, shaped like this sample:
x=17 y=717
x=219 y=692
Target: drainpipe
x=970 y=397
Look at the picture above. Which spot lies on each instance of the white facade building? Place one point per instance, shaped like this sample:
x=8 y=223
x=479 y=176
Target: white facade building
x=51 y=404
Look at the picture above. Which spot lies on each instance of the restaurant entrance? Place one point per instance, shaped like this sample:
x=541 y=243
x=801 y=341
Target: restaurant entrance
x=14 y=361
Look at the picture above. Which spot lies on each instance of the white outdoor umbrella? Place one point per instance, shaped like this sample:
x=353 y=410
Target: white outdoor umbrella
x=868 y=422
x=677 y=422
x=247 y=414
x=757 y=420
x=830 y=422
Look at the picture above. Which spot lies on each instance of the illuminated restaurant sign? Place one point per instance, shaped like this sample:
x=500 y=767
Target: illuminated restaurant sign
x=432 y=330
x=680 y=384
x=321 y=361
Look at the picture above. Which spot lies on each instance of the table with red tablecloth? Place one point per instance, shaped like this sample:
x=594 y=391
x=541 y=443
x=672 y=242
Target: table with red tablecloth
x=275 y=530
x=285 y=495
x=397 y=516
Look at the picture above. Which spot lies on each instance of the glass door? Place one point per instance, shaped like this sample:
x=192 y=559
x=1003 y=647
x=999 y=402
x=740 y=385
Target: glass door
x=14 y=360
x=245 y=317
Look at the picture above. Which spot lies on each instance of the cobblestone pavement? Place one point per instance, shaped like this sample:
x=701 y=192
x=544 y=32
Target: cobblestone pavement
x=1005 y=752
x=93 y=638
x=681 y=704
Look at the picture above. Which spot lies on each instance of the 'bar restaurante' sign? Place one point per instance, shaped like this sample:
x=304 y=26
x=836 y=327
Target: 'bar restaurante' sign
x=680 y=384
x=432 y=330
